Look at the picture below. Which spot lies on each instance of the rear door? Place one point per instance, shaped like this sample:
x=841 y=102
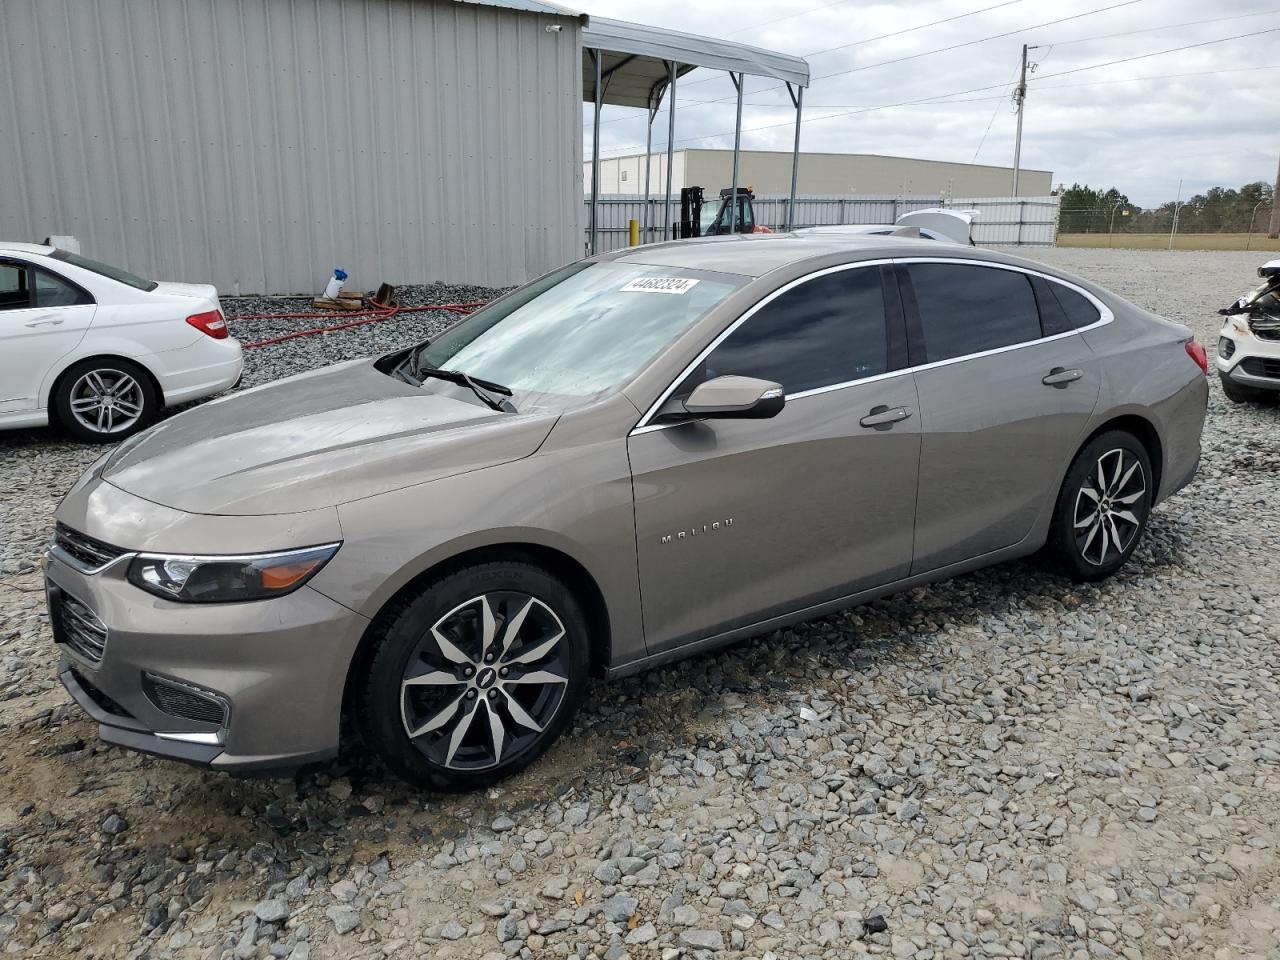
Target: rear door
x=739 y=520
x=1005 y=395
x=43 y=317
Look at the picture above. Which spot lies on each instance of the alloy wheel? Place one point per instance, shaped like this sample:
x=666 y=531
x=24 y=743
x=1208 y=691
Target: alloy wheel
x=107 y=401
x=1108 y=507
x=485 y=681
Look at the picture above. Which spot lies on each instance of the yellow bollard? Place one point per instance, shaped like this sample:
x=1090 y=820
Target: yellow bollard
x=635 y=232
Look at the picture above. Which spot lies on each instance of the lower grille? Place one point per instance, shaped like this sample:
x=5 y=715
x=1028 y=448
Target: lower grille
x=185 y=701
x=1226 y=347
x=1261 y=367
x=79 y=627
x=97 y=696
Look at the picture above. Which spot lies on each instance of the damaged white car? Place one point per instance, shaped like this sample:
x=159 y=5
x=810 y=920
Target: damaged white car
x=1249 y=343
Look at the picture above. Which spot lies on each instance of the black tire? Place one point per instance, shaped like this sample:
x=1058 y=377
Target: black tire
x=1122 y=512
x=132 y=406
x=460 y=681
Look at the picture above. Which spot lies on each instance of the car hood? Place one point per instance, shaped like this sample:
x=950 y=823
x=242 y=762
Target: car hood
x=317 y=440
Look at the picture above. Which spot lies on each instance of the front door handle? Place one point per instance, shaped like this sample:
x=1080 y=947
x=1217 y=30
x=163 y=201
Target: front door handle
x=41 y=321
x=885 y=417
x=1061 y=376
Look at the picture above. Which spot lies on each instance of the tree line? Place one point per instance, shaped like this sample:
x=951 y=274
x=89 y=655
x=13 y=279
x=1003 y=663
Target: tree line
x=1082 y=209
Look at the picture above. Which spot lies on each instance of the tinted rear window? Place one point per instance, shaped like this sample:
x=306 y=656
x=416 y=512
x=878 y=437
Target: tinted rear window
x=1079 y=309
x=104 y=269
x=969 y=309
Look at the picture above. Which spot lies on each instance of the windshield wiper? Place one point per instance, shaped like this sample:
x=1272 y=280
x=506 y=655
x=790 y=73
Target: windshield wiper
x=481 y=388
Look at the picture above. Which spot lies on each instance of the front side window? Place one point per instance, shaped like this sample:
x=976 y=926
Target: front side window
x=579 y=332
x=966 y=309
x=825 y=331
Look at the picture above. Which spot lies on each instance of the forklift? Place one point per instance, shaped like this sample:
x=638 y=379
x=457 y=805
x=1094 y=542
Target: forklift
x=700 y=219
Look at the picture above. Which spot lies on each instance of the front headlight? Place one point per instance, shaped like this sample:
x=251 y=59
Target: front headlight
x=219 y=579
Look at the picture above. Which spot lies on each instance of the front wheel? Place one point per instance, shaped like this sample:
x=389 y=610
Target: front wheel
x=104 y=400
x=1238 y=394
x=475 y=676
x=1103 y=507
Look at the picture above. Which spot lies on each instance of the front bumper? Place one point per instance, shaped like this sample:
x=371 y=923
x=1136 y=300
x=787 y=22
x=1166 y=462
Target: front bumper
x=1247 y=359
x=276 y=667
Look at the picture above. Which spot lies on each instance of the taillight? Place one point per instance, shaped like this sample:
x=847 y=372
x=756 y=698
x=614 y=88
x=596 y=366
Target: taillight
x=1198 y=354
x=214 y=324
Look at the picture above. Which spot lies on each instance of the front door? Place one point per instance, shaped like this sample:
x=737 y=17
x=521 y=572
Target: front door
x=740 y=520
x=42 y=318
x=1005 y=395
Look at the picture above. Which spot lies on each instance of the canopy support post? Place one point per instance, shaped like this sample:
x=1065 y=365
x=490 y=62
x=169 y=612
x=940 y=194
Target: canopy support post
x=797 y=98
x=671 y=142
x=655 y=99
x=737 y=79
x=596 y=57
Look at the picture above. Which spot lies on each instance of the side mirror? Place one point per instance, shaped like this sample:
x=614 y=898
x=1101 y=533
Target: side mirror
x=737 y=398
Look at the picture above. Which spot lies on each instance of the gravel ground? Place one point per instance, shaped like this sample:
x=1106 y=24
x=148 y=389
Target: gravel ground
x=1003 y=765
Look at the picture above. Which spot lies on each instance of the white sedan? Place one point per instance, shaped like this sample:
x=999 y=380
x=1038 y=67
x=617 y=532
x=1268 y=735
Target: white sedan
x=99 y=350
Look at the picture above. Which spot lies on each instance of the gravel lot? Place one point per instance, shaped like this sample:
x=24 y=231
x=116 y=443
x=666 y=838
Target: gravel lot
x=1004 y=765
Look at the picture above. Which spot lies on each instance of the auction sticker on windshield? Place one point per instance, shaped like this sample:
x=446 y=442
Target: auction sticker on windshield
x=660 y=285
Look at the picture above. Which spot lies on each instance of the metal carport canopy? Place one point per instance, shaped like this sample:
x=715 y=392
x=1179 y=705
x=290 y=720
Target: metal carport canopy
x=635 y=65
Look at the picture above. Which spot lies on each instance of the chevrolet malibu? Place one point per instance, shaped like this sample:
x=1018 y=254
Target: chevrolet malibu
x=640 y=456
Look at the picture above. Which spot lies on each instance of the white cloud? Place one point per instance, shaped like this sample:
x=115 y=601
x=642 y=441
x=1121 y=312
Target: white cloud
x=1142 y=136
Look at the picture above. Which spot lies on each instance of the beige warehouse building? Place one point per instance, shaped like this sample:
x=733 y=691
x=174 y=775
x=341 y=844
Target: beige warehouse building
x=826 y=174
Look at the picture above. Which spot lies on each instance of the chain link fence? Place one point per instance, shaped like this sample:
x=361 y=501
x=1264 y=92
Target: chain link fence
x=1001 y=221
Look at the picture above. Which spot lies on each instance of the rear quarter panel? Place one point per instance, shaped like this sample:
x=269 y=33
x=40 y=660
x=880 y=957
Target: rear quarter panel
x=1146 y=372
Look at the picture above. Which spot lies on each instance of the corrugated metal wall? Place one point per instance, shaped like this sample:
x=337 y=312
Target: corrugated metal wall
x=1001 y=221
x=259 y=143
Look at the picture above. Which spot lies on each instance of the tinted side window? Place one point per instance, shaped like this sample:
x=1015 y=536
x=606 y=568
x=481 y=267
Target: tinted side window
x=827 y=330
x=53 y=291
x=14 y=293
x=968 y=309
x=1079 y=309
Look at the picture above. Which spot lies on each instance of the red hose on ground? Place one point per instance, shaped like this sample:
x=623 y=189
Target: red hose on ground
x=361 y=317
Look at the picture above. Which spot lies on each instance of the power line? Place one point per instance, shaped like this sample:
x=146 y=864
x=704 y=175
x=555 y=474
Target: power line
x=1167 y=26
x=898 y=33
x=940 y=98
x=883 y=36
x=1039 y=89
x=789 y=16
x=989 y=124
x=914 y=56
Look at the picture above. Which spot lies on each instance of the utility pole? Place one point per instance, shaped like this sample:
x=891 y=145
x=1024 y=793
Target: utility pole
x=1274 y=231
x=1019 y=97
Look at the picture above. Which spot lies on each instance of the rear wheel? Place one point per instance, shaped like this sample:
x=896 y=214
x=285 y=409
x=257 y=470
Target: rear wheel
x=1103 y=507
x=104 y=400
x=475 y=676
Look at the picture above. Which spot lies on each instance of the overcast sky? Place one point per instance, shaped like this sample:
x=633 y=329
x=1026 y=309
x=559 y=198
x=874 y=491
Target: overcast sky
x=1102 y=126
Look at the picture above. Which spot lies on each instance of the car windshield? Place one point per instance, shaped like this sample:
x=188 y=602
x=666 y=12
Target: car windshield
x=580 y=332
x=105 y=270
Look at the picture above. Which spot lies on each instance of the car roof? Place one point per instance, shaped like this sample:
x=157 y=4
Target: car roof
x=13 y=246
x=755 y=254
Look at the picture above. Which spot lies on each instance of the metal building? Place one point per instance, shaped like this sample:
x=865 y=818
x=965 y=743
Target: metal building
x=256 y=144
x=828 y=174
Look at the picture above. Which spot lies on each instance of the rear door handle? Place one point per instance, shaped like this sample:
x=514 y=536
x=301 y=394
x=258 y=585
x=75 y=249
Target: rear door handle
x=1061 y=376
x=883 y=416
x=41 y=321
